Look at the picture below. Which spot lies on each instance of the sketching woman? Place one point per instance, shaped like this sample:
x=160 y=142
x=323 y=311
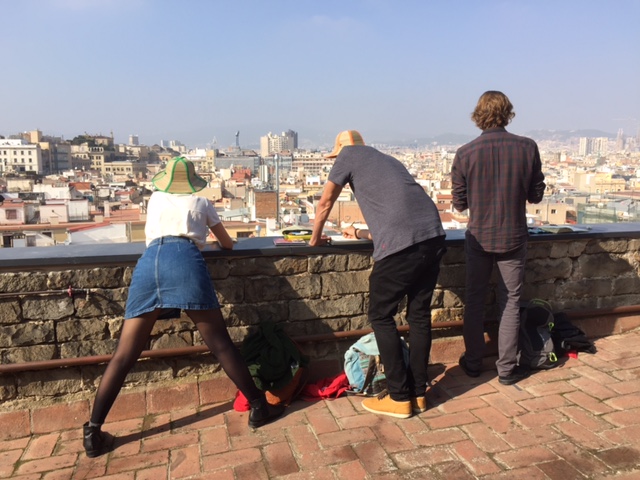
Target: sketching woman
x=170 y=276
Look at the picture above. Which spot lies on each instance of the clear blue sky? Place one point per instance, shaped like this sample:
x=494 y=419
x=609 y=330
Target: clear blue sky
x=192 y=70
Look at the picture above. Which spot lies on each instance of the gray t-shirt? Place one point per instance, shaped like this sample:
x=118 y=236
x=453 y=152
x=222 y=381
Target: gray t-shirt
x=396 y=208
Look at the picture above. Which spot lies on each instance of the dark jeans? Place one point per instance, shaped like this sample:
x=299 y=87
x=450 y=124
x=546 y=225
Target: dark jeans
x=510 y=280
x=412 y=272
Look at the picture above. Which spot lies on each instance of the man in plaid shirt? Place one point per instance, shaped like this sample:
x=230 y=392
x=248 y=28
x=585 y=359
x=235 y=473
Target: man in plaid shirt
x=494 y=176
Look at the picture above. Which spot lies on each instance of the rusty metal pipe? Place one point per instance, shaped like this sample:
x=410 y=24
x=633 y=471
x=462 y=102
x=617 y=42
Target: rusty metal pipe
x=323 y=337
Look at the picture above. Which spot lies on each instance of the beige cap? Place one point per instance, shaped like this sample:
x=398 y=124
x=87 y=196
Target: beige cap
x=348 y=137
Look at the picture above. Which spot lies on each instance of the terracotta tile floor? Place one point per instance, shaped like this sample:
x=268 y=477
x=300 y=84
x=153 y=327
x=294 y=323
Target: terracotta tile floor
x=578 y=421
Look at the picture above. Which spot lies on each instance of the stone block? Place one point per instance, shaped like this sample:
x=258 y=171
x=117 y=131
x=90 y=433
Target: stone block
x=359 y=261
x=147 y=371
x=538 y=250
x=219 y=268
x=626 y=285
x=34 y=353
x=359 y=322
x=103 y=277
x=344 y=283
x=269 y=266
x=252 y=314
x=230 y=290
x=607 y=245
x=443 y=315
x=619 y=301
x=326 y=325
x=50 y=383
x=10 y=312
x=328 y=263
x=194 y=366
x=31 y=333
x=87 y=348
x=100 y=302
x=172 y=340
x=60 y=280
x=576 y=249
x=453 y=298
x=548 y=269
x=310 y=309
x=81 y=330
x=23 y=282
x=452 y=276
x=559 y=250
x=546 y=291
x=238 y=334
x=603 y=265
x=260 y=289
x=181 y=324
x=8 y=390
x=584 y=288
x=52 y=307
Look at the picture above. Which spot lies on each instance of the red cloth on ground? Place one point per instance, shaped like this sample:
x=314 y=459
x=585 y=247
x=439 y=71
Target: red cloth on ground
x=241 y=404
x=326 y=388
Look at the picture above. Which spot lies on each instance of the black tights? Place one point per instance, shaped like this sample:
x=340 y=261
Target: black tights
x=133 y=339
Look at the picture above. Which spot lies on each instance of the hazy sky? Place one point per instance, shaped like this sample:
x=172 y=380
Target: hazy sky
x=192 y=70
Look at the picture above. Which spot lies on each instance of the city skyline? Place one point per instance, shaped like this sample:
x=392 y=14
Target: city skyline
x=396 y=71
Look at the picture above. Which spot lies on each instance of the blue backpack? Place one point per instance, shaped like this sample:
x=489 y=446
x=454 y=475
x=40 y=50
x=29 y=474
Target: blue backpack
x=363 y=366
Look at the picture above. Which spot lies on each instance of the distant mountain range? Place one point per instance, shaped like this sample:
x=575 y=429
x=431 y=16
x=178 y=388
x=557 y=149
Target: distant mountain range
x=564 y=135
x=538 y=135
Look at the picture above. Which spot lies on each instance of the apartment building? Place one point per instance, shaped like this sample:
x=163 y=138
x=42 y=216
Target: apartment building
x=20 y=156
x=272 y=143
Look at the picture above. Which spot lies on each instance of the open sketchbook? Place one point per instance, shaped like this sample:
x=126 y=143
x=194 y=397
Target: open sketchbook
x=558 y=229
x=288 y=242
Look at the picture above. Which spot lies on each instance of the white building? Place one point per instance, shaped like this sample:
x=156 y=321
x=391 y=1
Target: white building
x=19 y=156
x=271 y=143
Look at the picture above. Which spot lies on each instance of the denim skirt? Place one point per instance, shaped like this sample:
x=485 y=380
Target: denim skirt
x=171 y=275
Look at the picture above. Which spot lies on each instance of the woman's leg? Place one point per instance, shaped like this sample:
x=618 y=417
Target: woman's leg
x=133 y=339
x=213 y=329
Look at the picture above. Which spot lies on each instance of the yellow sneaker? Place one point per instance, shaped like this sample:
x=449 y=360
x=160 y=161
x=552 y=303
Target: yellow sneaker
x=418 y=404
x=385 y=405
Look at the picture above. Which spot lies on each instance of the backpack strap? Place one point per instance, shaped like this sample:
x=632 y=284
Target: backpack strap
x=371 y=372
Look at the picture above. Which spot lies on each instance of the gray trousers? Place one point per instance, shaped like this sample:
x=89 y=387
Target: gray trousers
x=510 y=280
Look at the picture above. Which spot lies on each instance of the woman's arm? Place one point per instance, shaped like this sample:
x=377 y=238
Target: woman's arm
x=222 y=236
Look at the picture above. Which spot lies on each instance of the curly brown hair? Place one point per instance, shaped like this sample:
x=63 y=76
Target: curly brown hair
x=493 y=110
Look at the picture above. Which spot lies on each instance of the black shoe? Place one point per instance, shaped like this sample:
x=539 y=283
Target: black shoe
x=515 y=376
x=262 y=412
x=463 y=365
x=95 y=441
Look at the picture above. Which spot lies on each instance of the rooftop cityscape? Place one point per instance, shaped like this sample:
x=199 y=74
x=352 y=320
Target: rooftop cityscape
x=92 y=189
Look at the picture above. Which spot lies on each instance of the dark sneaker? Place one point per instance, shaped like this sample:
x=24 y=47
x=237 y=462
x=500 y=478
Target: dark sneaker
x=262 y=412
x=95 y=441
x=465 y=368
x=515 y=376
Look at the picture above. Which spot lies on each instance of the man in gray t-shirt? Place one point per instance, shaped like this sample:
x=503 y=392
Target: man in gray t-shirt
x=408 y=243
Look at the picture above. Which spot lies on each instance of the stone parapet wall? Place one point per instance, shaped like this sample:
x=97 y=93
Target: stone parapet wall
x=69 y=311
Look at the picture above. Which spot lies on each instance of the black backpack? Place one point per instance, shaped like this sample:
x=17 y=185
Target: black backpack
x=567 y=337
x=536 y=349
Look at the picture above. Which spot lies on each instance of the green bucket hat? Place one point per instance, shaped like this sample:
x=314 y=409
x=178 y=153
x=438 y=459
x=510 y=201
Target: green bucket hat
x=179 y=176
